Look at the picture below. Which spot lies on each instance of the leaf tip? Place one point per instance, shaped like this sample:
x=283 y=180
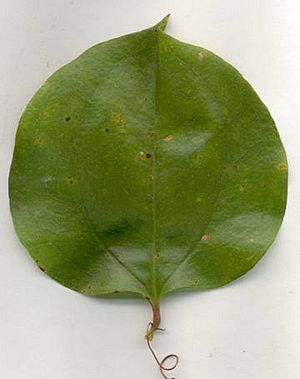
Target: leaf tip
x=163 y=23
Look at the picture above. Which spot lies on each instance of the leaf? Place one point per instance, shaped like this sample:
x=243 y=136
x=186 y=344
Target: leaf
x=147 y=166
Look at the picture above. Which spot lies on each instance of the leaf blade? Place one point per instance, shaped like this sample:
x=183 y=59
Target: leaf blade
x=135 y=158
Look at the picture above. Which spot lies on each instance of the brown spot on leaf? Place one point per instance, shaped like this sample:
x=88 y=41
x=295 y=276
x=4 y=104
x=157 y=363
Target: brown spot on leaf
x=148 y=156
x=205 y=237
x=42 y=268
x=116 y=291
x=168 y=138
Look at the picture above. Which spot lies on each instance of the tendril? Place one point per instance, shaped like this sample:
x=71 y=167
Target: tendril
x=161 y=363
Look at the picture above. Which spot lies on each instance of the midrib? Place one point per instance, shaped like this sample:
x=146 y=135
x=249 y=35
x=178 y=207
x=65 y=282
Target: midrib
x=154 y=179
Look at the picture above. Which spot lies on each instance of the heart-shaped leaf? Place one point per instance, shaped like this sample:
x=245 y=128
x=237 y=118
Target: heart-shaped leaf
x=147 y=166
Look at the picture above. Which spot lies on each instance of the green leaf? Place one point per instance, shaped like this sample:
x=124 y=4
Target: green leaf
x=147 y=166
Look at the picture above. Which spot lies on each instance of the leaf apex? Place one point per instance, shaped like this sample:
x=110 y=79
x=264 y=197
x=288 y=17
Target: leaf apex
x=163 y=23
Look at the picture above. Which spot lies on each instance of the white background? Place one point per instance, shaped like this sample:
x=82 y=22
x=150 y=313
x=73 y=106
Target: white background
x=247 y=330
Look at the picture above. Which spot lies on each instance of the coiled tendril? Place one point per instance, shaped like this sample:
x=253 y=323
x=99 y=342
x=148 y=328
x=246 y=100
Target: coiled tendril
x=161 y=363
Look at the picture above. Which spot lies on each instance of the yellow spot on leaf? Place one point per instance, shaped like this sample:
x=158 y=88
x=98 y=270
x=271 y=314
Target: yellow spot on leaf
x=46 y=114
x=200 y=56
x=119 y=120
x=282 y=166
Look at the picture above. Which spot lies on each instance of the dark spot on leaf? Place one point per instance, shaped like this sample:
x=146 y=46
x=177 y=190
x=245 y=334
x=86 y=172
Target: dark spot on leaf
x=106 y=130
x=68 y=118
x=39 y=139
x=157 y=255
x=122 y=228
x=152 y=135
x=198 y=157
x=242 y=187
x=148 y=156
x=116 y=291
x=42 y=268
x=70 y=179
